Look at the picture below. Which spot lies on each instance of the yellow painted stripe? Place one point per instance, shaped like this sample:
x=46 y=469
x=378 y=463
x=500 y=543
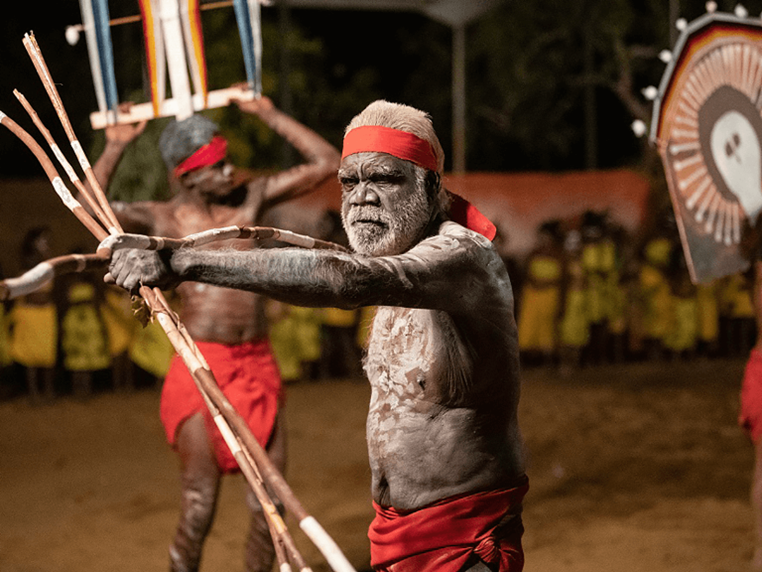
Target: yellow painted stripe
x=149 y=34
x=194 y=17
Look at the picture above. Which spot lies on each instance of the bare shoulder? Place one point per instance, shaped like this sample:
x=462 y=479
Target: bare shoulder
x=465 y=255
x=454 y=239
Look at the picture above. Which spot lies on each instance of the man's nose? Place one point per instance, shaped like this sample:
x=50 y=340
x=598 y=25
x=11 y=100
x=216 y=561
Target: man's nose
x=364 y=194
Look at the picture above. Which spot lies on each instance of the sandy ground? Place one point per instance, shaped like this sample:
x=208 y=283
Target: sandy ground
x=632 y=468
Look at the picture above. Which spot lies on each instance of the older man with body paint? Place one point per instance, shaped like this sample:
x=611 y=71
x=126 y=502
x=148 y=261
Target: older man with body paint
x=442 y=358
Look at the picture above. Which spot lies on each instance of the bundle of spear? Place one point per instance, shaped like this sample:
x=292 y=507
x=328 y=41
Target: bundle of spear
x=251 y=457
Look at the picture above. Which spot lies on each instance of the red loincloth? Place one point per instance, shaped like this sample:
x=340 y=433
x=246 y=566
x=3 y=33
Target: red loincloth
x=249 y=378
x=442 y=537
x=750 y=416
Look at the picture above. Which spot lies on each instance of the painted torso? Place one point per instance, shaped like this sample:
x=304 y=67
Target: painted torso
x=210 y=313
x=442 y=417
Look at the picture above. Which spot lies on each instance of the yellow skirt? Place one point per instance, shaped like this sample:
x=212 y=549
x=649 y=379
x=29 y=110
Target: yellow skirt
x=657 y=303
x=708 y=313
x=121 y=324
x=83 y=339
x=537 y=322
x=683 y=334
x=34 y=336
x=575 y=328
x=151 y=350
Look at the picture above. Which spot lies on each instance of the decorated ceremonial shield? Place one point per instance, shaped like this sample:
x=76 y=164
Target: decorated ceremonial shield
x=708 y=128
x=174 y=47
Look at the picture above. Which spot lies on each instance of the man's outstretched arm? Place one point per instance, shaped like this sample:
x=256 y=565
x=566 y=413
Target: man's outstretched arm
x=440 y=273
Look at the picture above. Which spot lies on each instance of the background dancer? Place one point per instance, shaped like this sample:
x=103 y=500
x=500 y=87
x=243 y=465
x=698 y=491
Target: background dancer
x=228 y=325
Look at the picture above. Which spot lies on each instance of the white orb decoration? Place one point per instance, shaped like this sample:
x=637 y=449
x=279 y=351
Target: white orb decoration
x=638 y=127
x=72 y=35
x=650 y=92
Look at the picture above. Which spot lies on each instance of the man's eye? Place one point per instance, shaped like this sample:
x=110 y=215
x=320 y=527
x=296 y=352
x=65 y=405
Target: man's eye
x=387 y=179
x=348 y=182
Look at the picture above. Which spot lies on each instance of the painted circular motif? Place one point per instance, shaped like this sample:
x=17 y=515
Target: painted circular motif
x=714 y=136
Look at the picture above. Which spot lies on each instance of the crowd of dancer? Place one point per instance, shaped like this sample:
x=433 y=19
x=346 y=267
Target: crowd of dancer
x=591 y=293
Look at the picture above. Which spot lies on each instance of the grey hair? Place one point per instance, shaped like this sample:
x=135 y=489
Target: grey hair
x=180 y=139
x=406 y=118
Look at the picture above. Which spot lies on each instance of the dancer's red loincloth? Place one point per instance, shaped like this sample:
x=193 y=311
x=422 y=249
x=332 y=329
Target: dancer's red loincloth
x=442 y=537
x=248 y=376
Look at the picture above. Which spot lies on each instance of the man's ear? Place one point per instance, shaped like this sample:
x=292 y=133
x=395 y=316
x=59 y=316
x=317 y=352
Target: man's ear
x=433 y=184
x=433 y=181
x=187 y=180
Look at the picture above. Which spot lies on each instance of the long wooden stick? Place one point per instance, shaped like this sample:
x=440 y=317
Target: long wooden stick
x=43 y=273
x=73 y=177
x=180 y=338
x=143 y=242
x=58 y=184
x=30 y=43
x=284 y=545
x=189 y=352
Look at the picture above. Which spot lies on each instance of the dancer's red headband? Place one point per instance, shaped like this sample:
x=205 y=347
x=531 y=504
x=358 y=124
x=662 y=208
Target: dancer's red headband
x=400 y=144
x=409 y=147
x=209 y=154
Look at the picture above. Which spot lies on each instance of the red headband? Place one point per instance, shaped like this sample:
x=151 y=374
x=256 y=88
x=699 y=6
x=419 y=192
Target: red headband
x=209 y=154
x=400 y=144
x=466 y=214
x=405 y=145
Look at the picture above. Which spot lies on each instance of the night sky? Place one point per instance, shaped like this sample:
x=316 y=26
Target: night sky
x=406 y=56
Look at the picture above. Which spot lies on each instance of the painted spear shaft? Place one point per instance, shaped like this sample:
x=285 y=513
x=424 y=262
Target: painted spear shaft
x=30 y=43
x=180 y=338
x=143 y=242
x=283 y=542
x=73 y=177
x=58 y=184
x=241 y=441
x=43 y=273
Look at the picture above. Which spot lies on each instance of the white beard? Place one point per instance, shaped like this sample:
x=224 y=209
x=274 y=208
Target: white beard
x=390 y=232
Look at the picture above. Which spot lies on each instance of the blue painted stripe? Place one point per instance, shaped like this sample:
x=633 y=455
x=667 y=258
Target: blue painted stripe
x=105 y=51
x=243 y=18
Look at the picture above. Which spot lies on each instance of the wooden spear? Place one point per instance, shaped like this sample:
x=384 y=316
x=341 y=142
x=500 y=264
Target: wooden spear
x=143 y=242
x=35 y=54
x=43 y=273
x=58 y=184
x=70 y=172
